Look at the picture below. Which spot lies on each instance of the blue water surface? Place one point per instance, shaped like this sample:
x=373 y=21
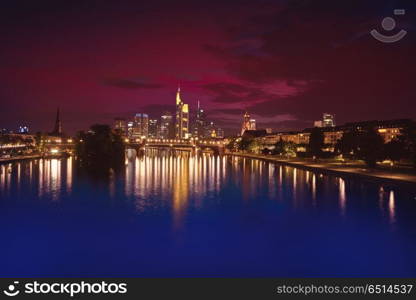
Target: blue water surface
x=183 y=215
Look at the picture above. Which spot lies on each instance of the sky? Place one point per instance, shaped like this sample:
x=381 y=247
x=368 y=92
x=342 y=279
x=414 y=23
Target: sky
x=285 y=62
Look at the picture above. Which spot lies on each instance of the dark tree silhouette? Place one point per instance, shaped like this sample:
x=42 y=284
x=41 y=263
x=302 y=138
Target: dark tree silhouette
x=408 y=138
x=100 y=148
x=284 y=148
x=246 y=143
x=370 y=147
x=348 y=144
x=393 y=150
x=316 y=142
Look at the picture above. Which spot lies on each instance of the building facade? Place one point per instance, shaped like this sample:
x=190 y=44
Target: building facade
x=120 y=125
x=200 y=123
x=166 y=128
x=248 y=123
x=139 y=127
x=153 y=128
x=182 y=118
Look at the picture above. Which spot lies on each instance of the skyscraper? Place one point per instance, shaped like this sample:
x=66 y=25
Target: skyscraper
x=199 y=125
x=252 y=124
x=248 y=123
x=153 y=128
x=140 y=126
x=166 y=126
x=182 y=117
x=57 y=129
x=328 y=120
x=120 y=125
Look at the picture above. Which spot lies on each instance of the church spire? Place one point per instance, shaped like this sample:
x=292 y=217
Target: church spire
x=57 y=130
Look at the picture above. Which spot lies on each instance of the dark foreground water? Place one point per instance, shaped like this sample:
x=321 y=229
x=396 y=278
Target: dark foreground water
x=181 y=215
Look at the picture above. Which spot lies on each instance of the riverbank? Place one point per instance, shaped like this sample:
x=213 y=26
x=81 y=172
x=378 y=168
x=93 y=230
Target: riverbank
x=338 y=168
x=19 y=158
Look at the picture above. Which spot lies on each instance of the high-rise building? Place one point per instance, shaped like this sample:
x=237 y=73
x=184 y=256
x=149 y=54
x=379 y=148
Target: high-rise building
x=166 y=128
x=318 y=123
x=220 y=133
x=182 y=117
x=23 y=129
x=57 y=129
x=199 y=125
x=248 y=123
x=212 y=131
x=120 y=125
x=140 y=126
x=252 y=124
x=328 y=120
x=153 y=128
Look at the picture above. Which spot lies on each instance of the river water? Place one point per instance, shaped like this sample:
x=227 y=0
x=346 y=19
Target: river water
x=178 y=214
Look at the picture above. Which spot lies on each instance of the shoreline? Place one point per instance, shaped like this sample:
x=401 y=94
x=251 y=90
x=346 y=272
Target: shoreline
x=27 y=157
x=339 y=170
x=19 y=158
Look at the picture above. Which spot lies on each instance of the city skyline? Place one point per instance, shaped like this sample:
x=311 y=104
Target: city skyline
x=117 y=59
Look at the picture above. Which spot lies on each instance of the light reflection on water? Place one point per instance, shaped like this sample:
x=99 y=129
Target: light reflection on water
x=183 y=177
x=206 y=211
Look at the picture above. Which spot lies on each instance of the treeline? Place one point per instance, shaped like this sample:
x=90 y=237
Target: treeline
x=365 y=144
x=100 y=149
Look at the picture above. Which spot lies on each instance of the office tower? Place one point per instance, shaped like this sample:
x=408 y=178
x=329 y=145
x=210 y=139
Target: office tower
x=23 y=129
x=120 y=125
x=140 y=126
x=252 y=124
x=318 y=123
x=220 y=133
x=199 y=125
x=182 y=117
x=166 y=130
x=328 y=120
x=153 y=128
x=246 y=123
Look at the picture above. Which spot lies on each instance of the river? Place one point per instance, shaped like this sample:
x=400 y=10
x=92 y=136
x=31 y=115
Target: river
x=177 y=214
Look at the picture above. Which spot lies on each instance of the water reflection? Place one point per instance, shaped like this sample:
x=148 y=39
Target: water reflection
x=342 y=195
x=392 y=207
x=180 y=182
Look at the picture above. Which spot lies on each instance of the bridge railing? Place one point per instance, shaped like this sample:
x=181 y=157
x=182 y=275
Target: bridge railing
x=171 y=142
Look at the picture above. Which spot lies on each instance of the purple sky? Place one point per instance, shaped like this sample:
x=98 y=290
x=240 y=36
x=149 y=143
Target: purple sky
x=286 y=62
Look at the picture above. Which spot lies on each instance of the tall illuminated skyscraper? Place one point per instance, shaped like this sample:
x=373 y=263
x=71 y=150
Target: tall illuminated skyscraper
x=182 y=117
x=199 y=125
x=166 y=126
x=328 y=120
x=120 y=125
x=153 y=128
x=248 y=123
x=140 y=126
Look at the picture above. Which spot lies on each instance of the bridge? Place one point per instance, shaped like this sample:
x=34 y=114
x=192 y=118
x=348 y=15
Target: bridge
x=192 y=144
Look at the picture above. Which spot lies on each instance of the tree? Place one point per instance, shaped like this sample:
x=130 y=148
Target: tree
x=370 y=147
x=393 y=150
x=348 y=144
x=232 y=145
x=316 y=142
x=245 y=143
x=100 y=148
x=408 y=138
x=284 y=148
x=265 y=151
x=279 y=147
